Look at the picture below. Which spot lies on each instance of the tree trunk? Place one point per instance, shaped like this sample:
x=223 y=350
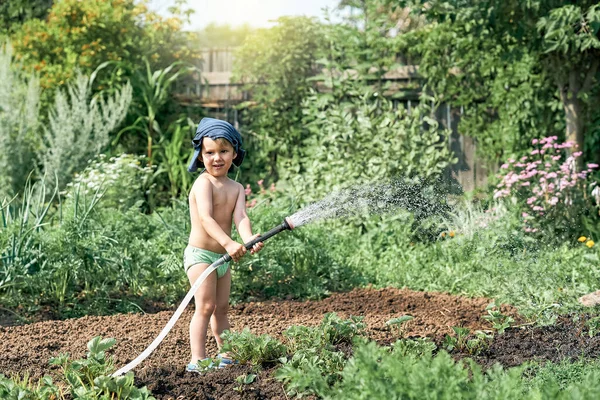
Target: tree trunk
x=573 y=115
x=573 y=106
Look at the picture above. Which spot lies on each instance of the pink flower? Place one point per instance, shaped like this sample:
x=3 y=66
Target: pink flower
x=536 y=151
x=551 y=175
x=592 y=165
x=524 y=158
x=553 y=201
x=534 y=141
x=252 y=203
x=537 y=208
x=272 y=188
x=525 y=215
x=501 y=193
x=525 y=184
x=555 y=158
x=260 y=183
x=504 y=166
x=531 y=200
x=248 y=190
x=577 y=153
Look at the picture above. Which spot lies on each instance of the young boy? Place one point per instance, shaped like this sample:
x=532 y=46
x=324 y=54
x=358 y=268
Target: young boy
x=214 y=201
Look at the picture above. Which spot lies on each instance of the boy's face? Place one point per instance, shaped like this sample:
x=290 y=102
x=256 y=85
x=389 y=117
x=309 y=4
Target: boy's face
x=217 y=156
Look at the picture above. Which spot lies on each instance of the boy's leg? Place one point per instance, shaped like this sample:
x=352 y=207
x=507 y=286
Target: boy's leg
x=205 y=300
x=219 y=321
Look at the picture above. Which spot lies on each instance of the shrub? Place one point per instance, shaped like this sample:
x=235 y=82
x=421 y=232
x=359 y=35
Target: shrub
x=79 y=126
x=546 y=184
x=19 y=122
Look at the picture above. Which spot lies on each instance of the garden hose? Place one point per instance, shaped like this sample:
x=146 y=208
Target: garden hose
x=286 y=225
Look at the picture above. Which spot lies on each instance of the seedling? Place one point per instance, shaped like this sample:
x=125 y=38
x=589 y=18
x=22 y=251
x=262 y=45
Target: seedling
x=499 y=321
x=208 y=364
x=480 y=343
x=416 y=347
x=398 y=323
x=242 y=380
x=594 y=326
x=459 y=341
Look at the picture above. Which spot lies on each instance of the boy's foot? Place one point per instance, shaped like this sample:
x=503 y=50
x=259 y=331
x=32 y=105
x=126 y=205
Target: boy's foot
x=225 y=360
x=192 y=368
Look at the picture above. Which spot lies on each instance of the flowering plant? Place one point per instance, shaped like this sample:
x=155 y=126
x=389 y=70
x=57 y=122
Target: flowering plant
x=253 y=198
x=120 y=181
x=549 y=186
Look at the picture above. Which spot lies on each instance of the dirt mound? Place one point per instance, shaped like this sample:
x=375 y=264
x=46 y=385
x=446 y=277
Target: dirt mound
x=27 y=348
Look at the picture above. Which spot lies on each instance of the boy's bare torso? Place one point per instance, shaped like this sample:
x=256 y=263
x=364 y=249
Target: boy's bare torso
x=224 y=197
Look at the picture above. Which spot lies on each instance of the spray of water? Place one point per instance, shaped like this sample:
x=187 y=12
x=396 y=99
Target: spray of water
x=419 y=197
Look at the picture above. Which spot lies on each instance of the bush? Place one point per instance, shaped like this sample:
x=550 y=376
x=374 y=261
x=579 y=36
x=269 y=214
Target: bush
x=552 y=194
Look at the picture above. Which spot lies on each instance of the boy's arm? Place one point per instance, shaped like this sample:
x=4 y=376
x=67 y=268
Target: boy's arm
x=242 y=222
x=204 y=204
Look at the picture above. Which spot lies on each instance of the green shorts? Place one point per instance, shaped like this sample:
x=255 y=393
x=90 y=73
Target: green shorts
x=193 y=255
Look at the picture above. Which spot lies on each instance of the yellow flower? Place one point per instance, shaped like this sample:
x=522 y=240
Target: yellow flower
x=589 y=243
x=443 y=234
x=451 y=233
x=582 y=239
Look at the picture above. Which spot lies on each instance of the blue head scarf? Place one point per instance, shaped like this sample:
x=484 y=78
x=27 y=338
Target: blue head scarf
x=213 y=129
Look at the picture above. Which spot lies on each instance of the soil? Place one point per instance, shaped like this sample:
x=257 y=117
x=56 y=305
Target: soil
x=27 y=348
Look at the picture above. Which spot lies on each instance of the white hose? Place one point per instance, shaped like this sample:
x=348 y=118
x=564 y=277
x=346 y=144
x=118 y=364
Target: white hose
x=173 y=319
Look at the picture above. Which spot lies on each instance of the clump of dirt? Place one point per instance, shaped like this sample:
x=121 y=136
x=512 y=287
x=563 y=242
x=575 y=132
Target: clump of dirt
x=27 y=348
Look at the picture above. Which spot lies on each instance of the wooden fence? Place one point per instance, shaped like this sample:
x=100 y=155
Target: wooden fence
x=212 y=89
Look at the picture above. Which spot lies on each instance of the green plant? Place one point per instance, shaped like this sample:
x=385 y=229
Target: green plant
x=242 y=380
x=79 y=126
x=19 y=122
x=593 y=325
x=398 y=323
x=22 y=222
x=154 y=87
x=414 y=347
x=480 y=343
x=90 y=377
x=247 y=347
x=551 y=190
x=499 y=321
x=121 y=181
x=173 y=156
x=459 y=341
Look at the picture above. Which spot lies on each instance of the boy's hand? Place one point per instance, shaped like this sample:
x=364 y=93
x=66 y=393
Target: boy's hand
x=235 y=250
x=256 y=248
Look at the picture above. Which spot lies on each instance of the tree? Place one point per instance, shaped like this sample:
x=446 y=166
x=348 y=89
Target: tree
x=276 y=65
x=80 y=35
x=473 y=47
x=15 y=12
